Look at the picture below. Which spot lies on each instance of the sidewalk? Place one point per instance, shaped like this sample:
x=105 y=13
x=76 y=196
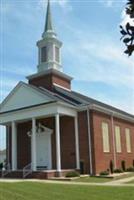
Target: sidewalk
x=120 y=183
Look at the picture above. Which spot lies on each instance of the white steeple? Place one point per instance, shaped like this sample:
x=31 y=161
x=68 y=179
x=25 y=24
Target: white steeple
x=49 y=46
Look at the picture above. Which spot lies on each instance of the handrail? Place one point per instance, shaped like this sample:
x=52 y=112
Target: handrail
x=27 y=170
x=7 y=170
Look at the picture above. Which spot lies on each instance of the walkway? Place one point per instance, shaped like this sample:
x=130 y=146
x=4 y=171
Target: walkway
x=119 y=183
x=122 y=181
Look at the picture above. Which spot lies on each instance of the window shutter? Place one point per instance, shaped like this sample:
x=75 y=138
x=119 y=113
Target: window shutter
x=128 y=140
x=105 y=136
x=118 y=139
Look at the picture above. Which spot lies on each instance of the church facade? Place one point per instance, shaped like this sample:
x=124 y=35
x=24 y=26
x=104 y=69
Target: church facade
x=52 y=129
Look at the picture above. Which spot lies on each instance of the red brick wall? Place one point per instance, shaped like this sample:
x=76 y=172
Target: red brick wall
x=128 y=157
x=68 y=158
x=47 y=81
x=102 y=159
x=23 y=144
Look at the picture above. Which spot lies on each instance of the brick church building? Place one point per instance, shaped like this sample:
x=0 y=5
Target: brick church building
x=52 y=129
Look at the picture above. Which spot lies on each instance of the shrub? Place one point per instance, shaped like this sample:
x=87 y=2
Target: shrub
x=72 y=174
x=1 y=166
x=111 y=167
x=130 y=169
x=123 y=165
x=133 y=163
x=104 y=173
x=118 y=171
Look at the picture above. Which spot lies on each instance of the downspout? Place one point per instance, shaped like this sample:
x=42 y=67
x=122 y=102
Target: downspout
x=89 y=141
x=113 y=134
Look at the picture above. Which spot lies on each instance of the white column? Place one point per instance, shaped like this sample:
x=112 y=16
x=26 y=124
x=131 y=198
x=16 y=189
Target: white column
x=7 y=144
x=33 y=145
x=77 y=143
x=14 y=147
x=58 y=152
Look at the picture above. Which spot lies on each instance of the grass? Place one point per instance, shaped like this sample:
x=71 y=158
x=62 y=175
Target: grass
x=44 y=191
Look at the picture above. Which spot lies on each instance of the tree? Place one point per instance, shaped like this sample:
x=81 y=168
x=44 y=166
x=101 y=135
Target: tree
x=128 y=31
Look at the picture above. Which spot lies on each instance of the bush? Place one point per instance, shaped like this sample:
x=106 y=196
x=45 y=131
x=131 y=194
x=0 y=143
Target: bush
x=118 y=171
x=1 y=166
x=130 y=169
x=133 y=163
x=104 y=173
x=111 y=167
x=123 y=165
x=72 y=174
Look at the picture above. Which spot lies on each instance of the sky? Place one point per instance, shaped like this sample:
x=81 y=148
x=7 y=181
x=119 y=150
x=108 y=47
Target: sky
x=92 y=52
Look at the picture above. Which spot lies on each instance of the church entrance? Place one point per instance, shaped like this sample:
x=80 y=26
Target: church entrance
x=43 y=151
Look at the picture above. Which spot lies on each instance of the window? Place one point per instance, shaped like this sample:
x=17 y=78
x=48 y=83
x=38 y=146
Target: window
x=44 y=54
x=128 y=140
x=105 y=136
x=118 y=139
x=57 y=54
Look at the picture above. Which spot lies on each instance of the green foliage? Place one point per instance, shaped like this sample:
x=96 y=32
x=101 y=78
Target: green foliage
x=72 y=174
x=111 y=166
x=133 y=163
x=104 y=173
x=1 y=166
x=130 y=169
x=118 y=171
x=128 y=31
x=123 y=165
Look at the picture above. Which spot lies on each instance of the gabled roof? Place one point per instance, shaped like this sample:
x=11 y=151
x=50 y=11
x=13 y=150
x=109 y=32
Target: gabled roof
x=81 y=100
x=43 y=95
x=25 y=95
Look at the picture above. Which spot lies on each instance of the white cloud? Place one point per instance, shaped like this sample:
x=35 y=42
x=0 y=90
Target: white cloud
x=111 y=3
x=18 y=70
x=102 y=60
x=107 y=3
x=117 y=70
x=61 y=3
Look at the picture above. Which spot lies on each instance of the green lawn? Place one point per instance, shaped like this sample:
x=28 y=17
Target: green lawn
x=43 y=191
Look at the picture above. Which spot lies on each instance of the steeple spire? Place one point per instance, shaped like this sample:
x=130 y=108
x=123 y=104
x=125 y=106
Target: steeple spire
x=48 y=25
x=48 y=30
x=49 y=46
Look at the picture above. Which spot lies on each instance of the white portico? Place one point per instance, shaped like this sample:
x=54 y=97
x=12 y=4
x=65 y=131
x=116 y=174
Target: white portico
x=45 y=106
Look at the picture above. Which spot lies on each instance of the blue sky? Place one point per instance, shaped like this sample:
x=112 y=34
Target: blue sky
x=92 y=52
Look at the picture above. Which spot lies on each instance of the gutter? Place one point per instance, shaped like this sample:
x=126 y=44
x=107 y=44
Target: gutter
x=108 y=112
